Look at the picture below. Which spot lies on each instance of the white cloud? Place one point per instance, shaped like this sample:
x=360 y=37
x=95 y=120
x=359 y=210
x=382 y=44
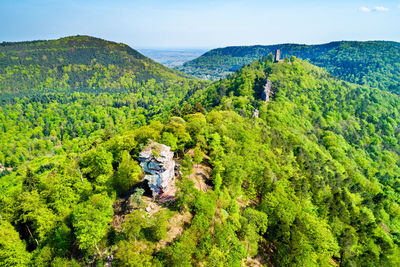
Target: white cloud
x=381 y=8
x=374 y=9
x=365 y=9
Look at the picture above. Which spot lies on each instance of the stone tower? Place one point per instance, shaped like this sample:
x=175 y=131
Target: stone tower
x=277 y=55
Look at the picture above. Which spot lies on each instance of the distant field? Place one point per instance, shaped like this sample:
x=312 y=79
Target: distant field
x=172 y=57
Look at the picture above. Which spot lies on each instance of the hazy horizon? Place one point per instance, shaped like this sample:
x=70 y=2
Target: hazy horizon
x=185 y=48
x=176 y=24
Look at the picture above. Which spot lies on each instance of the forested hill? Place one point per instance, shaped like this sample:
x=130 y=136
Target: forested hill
x=313 y=180
x=373 y=63
x=75 y=62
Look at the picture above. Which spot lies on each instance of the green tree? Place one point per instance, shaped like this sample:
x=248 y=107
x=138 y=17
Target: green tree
x=128 y=173
x=132 y=254
x=253 y=227
x=170 y=140
x=136 y=198
x=31 y=181
x=91 y=219
x=12 y=249
x=37 y=217
x=195 y=124
x=198 y=155
x=159 y=226
x=96 y=162
x=135 y=222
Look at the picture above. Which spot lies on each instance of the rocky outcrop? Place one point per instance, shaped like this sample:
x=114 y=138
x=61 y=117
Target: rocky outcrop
x=267 y=91
x=256 y=113
x=158 y=164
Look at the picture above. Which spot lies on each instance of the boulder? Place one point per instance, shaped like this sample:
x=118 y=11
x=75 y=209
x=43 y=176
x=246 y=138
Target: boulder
x=157 y=161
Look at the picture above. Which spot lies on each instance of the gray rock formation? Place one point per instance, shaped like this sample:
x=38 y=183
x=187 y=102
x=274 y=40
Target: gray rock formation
x=267 y=91
x=256 y=113
x=158 y=164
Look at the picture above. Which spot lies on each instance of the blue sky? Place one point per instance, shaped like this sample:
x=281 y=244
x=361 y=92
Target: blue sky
x=201 y=24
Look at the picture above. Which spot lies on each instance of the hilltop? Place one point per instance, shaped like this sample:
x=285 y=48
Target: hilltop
x=372 y=63
x=76 y=62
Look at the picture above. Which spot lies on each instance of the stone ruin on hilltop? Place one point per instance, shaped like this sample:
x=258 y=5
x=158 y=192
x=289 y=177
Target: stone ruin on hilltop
x=277 y=57
x=158 y=164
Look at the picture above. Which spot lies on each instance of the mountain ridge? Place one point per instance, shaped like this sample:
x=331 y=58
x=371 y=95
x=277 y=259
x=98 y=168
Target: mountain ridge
x=373 y=63
x=76 y=61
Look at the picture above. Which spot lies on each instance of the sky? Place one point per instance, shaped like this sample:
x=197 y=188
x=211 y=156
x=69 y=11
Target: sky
x=201 y=24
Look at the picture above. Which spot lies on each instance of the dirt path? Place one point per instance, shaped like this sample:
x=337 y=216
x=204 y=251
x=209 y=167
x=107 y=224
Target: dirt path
x=201 y=175
x=175 y=228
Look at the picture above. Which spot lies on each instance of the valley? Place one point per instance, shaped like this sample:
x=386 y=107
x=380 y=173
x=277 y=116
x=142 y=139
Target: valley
x=172 y=57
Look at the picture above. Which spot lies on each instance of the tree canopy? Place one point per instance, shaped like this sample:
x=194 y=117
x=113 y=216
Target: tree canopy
x=312 y=179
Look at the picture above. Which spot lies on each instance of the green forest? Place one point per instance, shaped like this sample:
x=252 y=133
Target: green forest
x=76 y=62
x=372 y=63
x=309 y=178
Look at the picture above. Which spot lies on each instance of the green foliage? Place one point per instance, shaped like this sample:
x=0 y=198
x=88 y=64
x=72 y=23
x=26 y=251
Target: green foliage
x=179 y=131
x=40 y=123
x=198 y=155
x=373 y=63
x=132 y=254
x=187 y=164
x=254 y=225
x=128 y=173
x=12 y=249
x=134 y=224
x=158 y=230
x=76 y=62
x=140 y=226
x=136 y=197
x=98 y=161
x=91 y=219
x=36 y=213
x=196 y=123
x=170 y=140
x=312 y=182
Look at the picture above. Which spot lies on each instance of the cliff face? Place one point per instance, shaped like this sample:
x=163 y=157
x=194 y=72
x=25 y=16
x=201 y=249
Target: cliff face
x=158 y=164
x=267 y=91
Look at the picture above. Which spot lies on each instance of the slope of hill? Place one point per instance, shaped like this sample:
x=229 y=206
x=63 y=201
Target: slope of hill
x=323 y=142
x=75 y=62
x=373 y=63
x=311 y=181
